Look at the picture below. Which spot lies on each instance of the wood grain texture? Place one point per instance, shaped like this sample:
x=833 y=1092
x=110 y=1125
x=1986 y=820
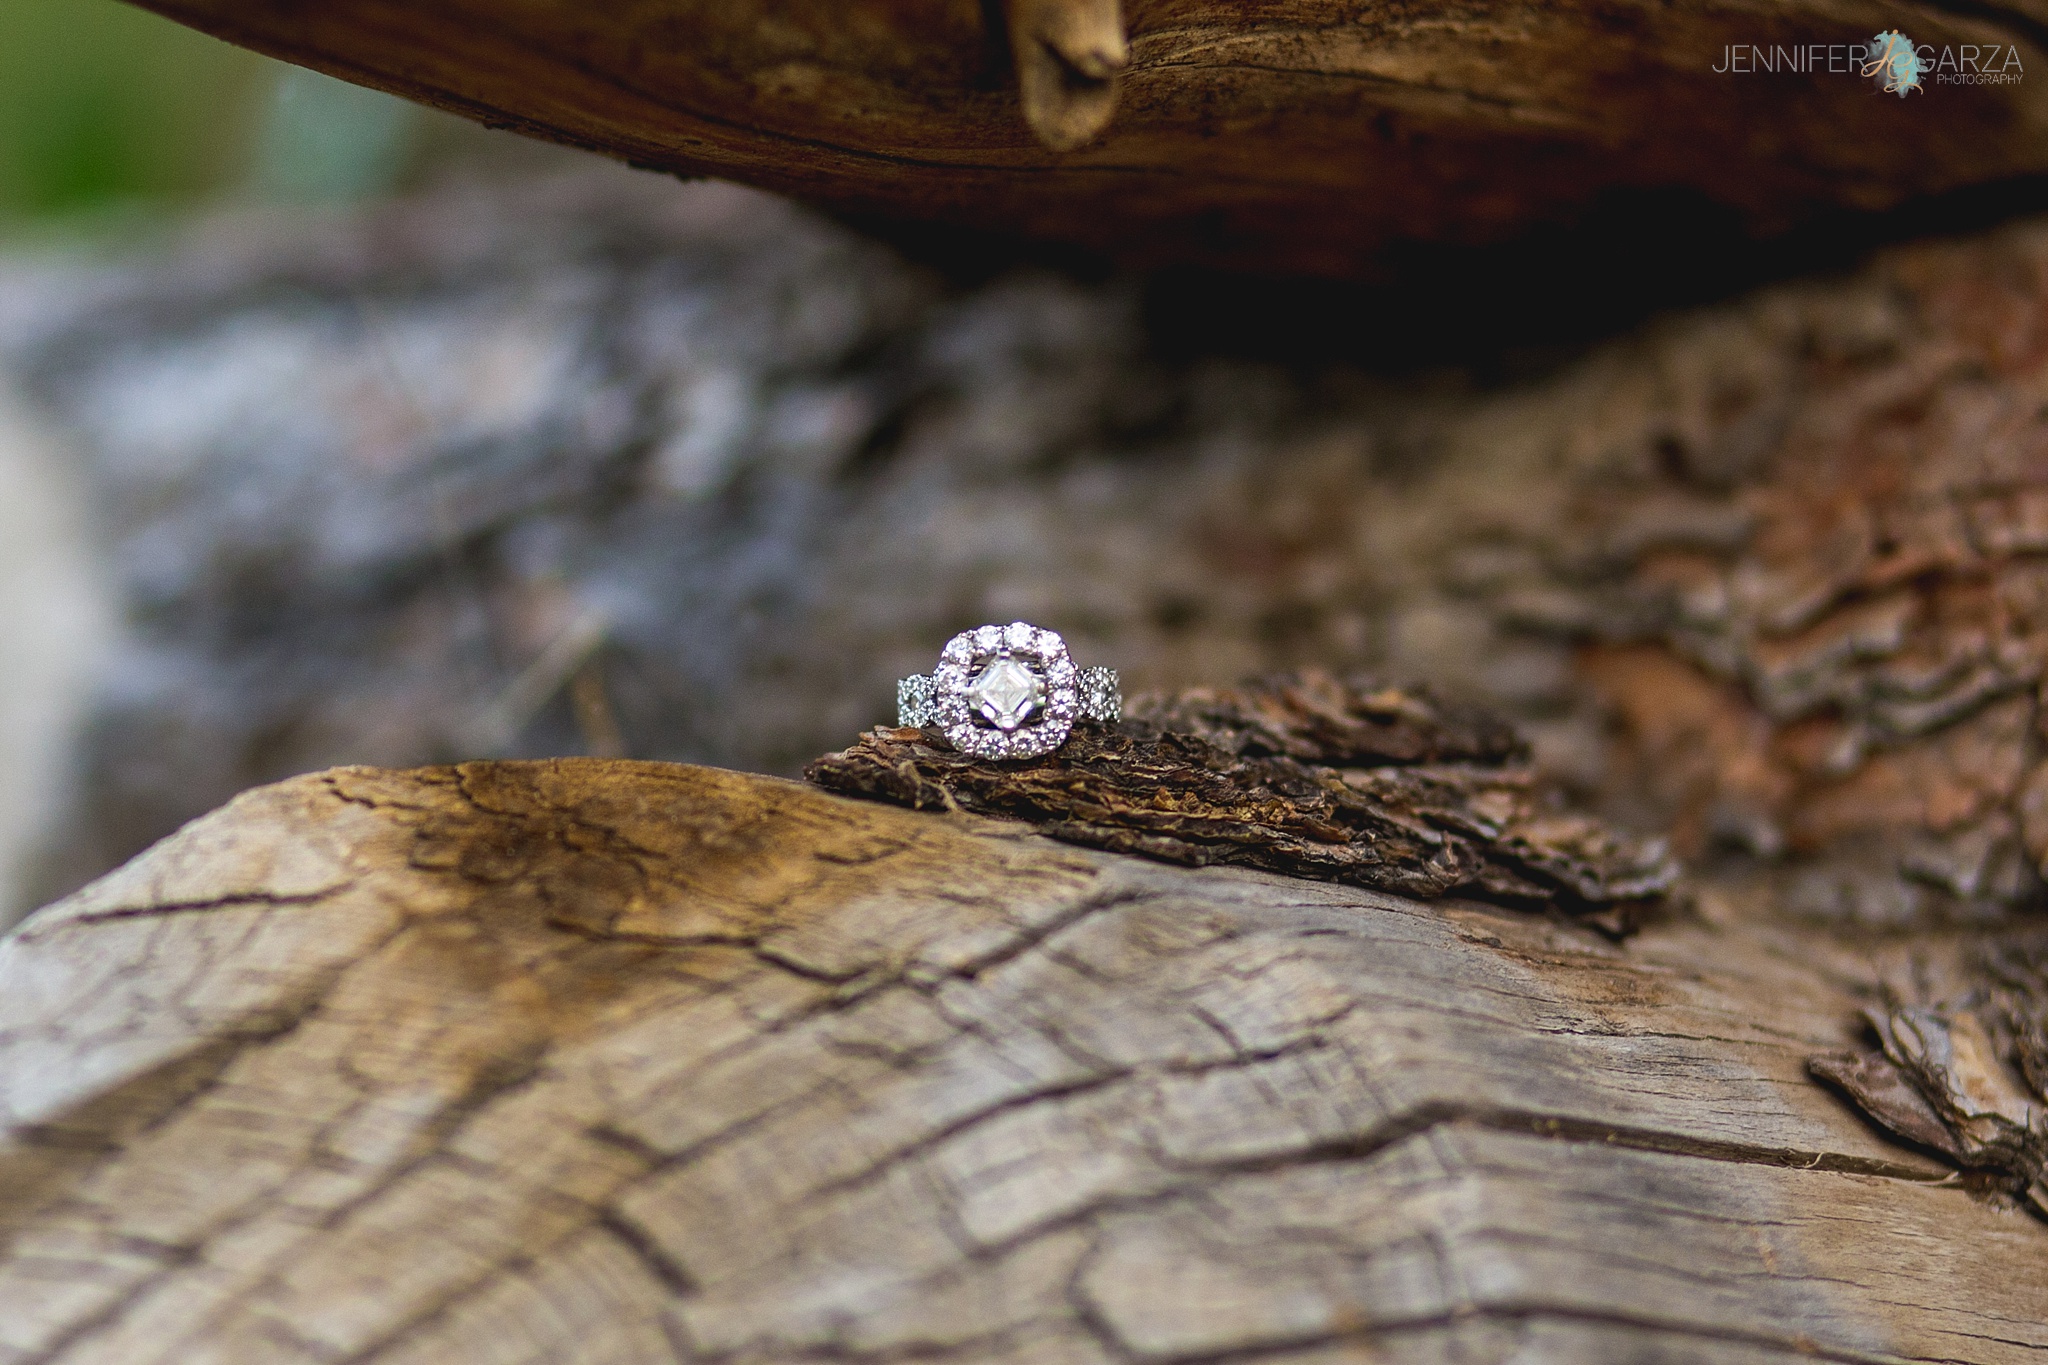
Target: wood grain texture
x=585 y=1061
x=1285 y=135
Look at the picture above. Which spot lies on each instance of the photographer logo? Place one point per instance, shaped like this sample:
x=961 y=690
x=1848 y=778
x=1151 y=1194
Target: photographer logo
x=1893 y=63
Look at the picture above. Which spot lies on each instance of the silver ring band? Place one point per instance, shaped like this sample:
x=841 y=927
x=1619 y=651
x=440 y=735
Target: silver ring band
x=1008 y=692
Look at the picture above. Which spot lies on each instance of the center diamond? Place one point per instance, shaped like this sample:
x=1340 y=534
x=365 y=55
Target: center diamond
x=1006 y=693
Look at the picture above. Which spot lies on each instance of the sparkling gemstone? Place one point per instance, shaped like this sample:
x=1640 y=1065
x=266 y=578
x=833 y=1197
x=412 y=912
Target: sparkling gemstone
x=1019 y=635
x=915 y=701
x=1006 y=693
x=989 y=638
x=1101 y=696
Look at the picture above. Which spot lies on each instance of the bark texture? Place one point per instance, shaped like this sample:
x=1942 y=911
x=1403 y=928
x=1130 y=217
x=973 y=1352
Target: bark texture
x=584 y=1062
x=1956 y=1059
x=1284 y=135
x=608 y=465
x=1303 y=774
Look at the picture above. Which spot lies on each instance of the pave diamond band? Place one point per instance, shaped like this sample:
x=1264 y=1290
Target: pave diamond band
x=1008 y=692
x=1102 y=697
x=915 y=701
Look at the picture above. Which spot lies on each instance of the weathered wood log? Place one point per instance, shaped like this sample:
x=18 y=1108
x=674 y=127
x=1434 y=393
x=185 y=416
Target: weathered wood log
x=1286 y=135
x=587 y=1062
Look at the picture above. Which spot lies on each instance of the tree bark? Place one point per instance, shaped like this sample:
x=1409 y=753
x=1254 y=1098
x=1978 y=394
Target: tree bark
x=587 y=1061
x=1297 y=136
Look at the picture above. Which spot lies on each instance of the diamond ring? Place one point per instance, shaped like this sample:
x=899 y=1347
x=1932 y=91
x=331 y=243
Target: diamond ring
x=1007 y=692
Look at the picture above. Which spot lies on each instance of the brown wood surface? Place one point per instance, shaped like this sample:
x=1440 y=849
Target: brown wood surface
x=588 y=1061
x=1289 y=135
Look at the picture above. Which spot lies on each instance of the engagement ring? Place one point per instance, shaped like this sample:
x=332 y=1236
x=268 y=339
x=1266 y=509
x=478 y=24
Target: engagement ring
x=1007 y=692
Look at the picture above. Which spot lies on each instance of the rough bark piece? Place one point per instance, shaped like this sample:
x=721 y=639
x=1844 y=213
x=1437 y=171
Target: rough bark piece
x=1316 y=717
x=1960 y=1062
x=1283 y=135
x=584 y=1062
x=1304 y=774
x=1882 y=1090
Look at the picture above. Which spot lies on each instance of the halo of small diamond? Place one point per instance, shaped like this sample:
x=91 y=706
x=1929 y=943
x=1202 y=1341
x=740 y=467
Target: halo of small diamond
x=966 y=654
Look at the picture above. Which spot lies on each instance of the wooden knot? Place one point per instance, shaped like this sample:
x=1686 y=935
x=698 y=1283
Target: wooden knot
x=1070 y=55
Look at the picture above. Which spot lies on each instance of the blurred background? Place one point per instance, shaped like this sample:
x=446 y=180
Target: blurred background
x=112 y=117
x=115 y=125
x=334 y=430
